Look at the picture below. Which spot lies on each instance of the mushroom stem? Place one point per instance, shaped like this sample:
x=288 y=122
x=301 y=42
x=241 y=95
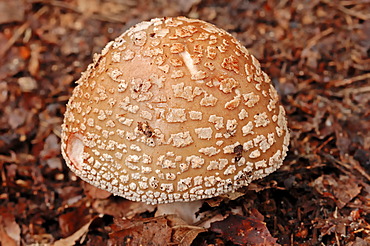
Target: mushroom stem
x=185 y=210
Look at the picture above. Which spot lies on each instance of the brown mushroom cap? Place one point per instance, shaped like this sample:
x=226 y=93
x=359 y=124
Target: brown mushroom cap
x=174 y=109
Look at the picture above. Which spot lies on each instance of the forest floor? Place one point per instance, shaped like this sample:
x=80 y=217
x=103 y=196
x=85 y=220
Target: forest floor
x=317 y=54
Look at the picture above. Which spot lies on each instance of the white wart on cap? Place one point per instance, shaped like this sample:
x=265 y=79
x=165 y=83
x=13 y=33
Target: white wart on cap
x=174 y=109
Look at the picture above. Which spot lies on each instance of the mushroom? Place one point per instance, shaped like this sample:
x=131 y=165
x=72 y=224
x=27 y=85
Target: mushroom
x=174 y=110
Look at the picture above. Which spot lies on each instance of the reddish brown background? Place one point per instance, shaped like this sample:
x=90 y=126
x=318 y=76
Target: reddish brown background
x=317 y=54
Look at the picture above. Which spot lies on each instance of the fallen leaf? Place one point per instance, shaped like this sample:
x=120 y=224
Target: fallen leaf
x=335 y=223
x=184 y=235
x=51 y=147
x=71 y=221
x=119 y=207
x=361 y=241
x=342 y=190
x=151 y=231
x=9 y=230
x=71 y=240
x=5 y=239
x=11 y=11
x=243 y=230
x=363 y=157
x=218 y=217
x=27 y=84
x=17 y=117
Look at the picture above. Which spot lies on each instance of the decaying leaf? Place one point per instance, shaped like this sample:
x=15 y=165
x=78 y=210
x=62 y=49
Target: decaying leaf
x=10 y=231
x=162 y=230
x=184 y=235
x=243 y=230
x=71 y=221
x=141 y=232
x=72 y=239
x=341 y=190
x=11 y=11
x=121 y=207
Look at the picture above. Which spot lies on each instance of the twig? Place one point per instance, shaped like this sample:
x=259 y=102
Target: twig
x=348 y=91
x=9 y=159
x=353 y=2
x=349 y=167
x=14 y=38
x=323 y=145
x=313 y=41
x=339 y=83
x=347 y=11
x=18 y=33
x=63 y=5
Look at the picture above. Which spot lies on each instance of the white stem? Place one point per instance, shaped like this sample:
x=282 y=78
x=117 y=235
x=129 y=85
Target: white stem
x=185 y=210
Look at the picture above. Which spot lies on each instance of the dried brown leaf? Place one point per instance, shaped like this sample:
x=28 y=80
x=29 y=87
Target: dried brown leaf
x=119 y=207
x=183 y=235
x=243 y=230
x=70 y=222
x=71 y=240
x=10 y=232
x=151 y=231
x=17 y=117
x=11 y=11
x=342 y=190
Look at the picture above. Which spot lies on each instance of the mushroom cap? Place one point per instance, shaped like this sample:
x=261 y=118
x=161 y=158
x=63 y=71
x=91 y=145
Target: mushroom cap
x=174 y=110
